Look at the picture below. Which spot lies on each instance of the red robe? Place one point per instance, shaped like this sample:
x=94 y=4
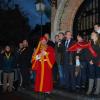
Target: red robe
x=43 y=69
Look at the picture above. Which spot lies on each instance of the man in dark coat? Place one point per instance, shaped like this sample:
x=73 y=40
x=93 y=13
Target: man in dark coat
x=8 y=64
x=24 y=63
x=59 y=50
x=67 y=62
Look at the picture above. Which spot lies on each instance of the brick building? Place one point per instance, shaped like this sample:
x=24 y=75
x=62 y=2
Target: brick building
x=70 y=14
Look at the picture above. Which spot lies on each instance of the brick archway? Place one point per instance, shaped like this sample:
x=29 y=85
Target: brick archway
x=65 y=15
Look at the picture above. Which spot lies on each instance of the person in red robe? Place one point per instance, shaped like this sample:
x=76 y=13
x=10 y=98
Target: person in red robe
x=42 y=62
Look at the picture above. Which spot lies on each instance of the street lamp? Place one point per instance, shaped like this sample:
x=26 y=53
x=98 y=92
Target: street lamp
x=40 y=7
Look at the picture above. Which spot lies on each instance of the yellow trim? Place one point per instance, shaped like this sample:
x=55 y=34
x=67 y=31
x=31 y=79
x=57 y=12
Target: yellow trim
x=48 y=60
x=33 y=64
x=34 y=55
x=42 y=70
x=42 y=73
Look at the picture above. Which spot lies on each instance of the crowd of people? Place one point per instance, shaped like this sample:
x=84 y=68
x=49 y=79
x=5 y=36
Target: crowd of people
x=76 y=66
x=78 y=61
x=15 y=66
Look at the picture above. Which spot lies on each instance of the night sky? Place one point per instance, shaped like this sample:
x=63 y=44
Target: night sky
x=28 y=9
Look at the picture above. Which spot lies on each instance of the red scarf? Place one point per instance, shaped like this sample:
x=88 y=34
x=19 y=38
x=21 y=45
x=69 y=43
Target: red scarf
x=83 y=45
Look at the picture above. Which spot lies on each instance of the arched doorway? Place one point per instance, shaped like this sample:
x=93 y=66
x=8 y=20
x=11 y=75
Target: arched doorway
x=65 y=14
x=87 y=15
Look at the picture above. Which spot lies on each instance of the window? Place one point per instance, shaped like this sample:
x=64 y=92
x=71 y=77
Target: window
x=87 y=15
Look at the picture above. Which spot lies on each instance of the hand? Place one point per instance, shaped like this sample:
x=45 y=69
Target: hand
x=38 y=57
x=78 y=50
x=31 y=71
x=2 y=51
x=91 y=62
x=43 y=52
x=59 y=43
x=31 y=61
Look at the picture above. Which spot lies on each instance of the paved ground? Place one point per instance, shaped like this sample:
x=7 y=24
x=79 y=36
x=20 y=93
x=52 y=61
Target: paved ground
x=63 y=95
x=56 y=95
x=15 y=96
x=74 y=96
x=29 y=95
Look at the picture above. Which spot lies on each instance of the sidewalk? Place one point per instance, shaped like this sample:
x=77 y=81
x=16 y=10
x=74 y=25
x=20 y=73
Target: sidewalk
x=15 y=96
x=62 y=95
x=74 y=96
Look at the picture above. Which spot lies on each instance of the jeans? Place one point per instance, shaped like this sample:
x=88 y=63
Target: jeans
x=25 y=77
x=91 y=71
x=81 y=79
x=97 y=72
x=55 y=72
x=69 y=76
x=8 y=78
x=61 y=74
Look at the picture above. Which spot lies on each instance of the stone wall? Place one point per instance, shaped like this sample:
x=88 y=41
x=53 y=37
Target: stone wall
x=64 y=16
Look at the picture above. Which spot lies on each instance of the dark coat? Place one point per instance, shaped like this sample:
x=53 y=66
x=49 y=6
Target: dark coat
x=96 y=48
x=67 y=57
x=82 y=55
x=51 y=43
x=8 y=65
x=24 y=59
x=59 y=52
